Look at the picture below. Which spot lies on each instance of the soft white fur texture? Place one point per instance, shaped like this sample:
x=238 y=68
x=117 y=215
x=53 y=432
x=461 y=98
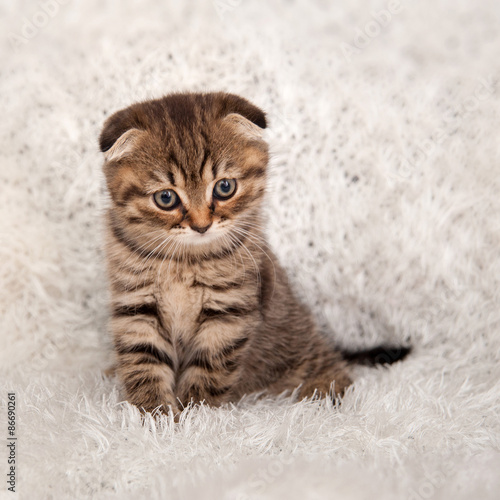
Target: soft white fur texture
x=383 y=249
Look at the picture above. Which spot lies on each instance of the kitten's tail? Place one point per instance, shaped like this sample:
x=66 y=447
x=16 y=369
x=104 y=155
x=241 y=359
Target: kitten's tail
x=380 y=355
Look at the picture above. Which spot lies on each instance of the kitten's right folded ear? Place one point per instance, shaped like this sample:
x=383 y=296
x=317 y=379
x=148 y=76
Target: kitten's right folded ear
x=119 y=134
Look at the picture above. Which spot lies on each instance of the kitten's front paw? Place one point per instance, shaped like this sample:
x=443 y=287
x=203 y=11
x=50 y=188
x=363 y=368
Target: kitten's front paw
x=154 y=405
x=170 y=411
x=150 y=391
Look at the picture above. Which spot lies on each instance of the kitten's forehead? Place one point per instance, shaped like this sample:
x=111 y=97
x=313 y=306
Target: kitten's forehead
x=200 y=148
x=192 y=173
x=190 y=156
x=193 y=167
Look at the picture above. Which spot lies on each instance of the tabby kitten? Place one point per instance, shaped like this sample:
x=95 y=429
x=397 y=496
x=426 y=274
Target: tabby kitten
x=201 y=309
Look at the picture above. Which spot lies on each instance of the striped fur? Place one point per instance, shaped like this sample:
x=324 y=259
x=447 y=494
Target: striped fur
x=201 y=316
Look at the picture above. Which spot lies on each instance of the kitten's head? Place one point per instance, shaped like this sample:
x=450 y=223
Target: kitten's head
x=186 y=173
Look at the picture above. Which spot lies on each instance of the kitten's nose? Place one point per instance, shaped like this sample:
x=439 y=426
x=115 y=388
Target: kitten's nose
x=199 y=229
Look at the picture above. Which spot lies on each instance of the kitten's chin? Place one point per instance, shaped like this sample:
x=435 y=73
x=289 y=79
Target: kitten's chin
x=214 y=241
x=198 y=241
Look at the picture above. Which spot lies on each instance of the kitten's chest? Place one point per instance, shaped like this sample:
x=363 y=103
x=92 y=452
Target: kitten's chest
x=180 y=302
x=188 y=296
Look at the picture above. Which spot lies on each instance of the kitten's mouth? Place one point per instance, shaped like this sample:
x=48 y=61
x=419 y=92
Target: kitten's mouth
x=196 y=238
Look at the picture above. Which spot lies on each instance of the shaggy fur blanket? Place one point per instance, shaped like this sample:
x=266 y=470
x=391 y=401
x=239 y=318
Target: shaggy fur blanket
x=383 y=206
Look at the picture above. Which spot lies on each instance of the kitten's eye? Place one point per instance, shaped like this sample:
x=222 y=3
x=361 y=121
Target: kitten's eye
x=225 y=188
x=166 y=199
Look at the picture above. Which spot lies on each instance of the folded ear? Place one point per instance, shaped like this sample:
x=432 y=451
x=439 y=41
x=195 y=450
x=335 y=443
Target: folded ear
x=120 y=133
x=116 y=125
x=243 y=126
x=237 y=105
x=124 y=145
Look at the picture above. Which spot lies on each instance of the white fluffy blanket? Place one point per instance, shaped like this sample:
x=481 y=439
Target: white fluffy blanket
x=383 y=206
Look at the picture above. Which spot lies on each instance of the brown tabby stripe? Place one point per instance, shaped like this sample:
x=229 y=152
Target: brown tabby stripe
x=138 y=380
x=135 y=220
x=184 y=174
x=129 y=193
x=206 y=154
x=128 y=268
x=235 y=346
x=201 y=361
x=253 y=173
x=127 y=286
x=215 y=169
x=217 y=391
x=228 y=314
x=245 y=200
x=136 y=309
x=230 y=285
x=172 y=158
x=120 y=236
x=206 y=362
x=147 y=349
x=171 y=178
x=145 y=359
x=206 y=139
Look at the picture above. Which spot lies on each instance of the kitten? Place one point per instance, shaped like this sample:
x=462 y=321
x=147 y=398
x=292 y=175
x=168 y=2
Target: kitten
x=200 y=311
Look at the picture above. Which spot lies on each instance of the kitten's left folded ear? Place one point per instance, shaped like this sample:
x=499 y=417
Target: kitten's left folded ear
x=244 y=117
x=236 y=104
x=244 y=114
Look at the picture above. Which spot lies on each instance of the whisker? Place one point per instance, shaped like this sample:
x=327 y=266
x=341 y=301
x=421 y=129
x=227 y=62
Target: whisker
x=253 y=238
x=249 y=253
x=228 y=237
x=142 y=259
x=174 y=244
x=137 y=256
